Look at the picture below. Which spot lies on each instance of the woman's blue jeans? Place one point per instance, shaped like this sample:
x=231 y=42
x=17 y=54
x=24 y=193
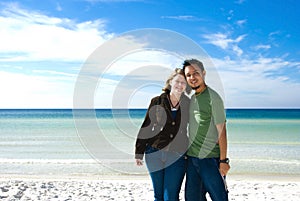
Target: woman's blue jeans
x=203 y=176
x=167 y=170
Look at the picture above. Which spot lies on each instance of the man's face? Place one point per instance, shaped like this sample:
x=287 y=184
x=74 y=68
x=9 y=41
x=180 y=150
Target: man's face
x=194 y=76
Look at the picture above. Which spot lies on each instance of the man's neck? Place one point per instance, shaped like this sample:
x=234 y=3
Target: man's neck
x=201 y=89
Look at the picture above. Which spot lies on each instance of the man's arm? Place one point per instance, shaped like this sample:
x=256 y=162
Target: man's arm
x=224 y=167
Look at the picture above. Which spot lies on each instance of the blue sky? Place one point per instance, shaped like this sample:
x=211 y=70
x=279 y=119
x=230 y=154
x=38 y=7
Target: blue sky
x=254 y=45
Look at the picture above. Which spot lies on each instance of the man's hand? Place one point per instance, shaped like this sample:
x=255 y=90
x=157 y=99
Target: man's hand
x=224 y=168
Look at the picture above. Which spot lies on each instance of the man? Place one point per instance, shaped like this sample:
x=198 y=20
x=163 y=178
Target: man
x=207 y=154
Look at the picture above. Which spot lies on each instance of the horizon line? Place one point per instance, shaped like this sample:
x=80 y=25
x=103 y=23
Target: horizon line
x=132 y=108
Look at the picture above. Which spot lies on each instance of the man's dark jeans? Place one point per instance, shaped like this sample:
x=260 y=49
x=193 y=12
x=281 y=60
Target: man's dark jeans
x=203 y=176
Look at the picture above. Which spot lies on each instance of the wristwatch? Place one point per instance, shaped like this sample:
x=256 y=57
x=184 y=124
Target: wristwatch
x=226 y=160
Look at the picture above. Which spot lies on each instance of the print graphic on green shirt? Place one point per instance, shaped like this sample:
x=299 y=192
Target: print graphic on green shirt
x=206 y=110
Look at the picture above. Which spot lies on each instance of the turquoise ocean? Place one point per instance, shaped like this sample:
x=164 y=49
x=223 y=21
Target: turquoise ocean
x=54 y=141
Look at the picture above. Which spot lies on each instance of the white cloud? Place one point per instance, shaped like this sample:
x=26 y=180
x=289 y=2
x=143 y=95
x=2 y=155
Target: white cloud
x=264 y=47
x=112 y=1
x=50 y=72
x=223 y=41
x=182 y=17
x=136 y=78
x=241 y=22
x=240 y=1
x=274 y=33
x=31 y=36
x=230 y=14
x=58 y=7
x=25 y=91
x=248 y=83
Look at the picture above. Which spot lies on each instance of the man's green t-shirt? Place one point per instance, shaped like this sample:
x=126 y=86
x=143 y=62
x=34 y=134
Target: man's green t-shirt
x=206 y=110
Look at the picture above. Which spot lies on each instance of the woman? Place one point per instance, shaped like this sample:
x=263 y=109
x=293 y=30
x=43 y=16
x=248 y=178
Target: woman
x=163 y=138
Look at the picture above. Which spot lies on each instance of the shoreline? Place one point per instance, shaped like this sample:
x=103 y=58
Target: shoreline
x=249 y=177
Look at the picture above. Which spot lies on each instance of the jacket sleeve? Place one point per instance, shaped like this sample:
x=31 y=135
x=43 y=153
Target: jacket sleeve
x=144 y=134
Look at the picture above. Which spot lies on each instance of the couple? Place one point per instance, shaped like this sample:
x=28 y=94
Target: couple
x=182 y=136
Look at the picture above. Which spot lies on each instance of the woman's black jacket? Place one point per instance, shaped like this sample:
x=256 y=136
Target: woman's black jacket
x=160 y=130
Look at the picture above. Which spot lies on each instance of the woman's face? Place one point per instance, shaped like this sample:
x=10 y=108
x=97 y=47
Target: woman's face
x=178 y=84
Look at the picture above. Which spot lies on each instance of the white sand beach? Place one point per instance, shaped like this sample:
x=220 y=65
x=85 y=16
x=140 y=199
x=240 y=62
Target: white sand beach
x=131 y=188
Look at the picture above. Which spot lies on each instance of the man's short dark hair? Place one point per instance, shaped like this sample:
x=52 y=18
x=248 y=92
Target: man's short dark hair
x=190 y=62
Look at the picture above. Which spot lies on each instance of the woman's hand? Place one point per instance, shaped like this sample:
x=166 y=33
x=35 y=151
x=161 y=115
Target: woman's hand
x=139 y=162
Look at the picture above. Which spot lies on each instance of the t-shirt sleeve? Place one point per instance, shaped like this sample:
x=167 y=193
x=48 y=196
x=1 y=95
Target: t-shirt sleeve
x=218 y=111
